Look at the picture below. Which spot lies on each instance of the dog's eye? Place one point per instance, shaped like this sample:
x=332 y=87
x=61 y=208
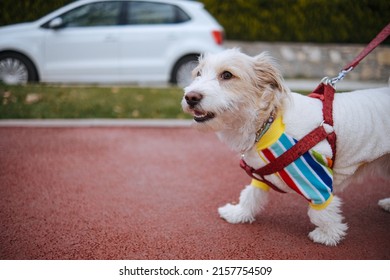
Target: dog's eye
x=198 y=74
x=226 y=75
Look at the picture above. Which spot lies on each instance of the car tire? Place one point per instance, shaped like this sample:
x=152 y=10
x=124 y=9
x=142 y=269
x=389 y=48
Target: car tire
x=181 y=73
x=16 y=69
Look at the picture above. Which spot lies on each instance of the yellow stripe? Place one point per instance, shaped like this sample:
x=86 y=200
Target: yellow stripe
x=323 y=205
x=261 y=185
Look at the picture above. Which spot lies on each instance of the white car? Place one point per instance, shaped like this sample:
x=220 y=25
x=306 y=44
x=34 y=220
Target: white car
x=110 y=41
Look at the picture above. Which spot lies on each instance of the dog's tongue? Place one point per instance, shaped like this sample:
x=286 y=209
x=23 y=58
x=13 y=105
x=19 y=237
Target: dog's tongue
x=199 y=113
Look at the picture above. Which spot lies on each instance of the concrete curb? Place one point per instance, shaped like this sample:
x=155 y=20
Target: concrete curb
x=308 y=85
x=95 y=123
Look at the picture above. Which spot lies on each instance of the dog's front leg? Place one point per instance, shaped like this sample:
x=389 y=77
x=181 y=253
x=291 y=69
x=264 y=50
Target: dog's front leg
x=330 y=230
x=252 y=201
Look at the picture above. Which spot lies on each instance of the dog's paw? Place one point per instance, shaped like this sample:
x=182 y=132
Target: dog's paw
x=235 y=214
x=329 y=236
x=385 y=204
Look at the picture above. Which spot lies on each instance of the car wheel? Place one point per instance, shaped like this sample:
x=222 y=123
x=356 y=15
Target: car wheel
x=181 y=74
x=16 y=69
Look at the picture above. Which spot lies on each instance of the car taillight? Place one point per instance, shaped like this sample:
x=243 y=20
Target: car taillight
x=218 y=36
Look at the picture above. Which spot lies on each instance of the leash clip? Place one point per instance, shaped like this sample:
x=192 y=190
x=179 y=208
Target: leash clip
x=339 y=77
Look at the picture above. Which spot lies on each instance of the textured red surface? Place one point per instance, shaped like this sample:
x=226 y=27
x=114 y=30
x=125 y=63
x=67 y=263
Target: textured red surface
x=153 y=193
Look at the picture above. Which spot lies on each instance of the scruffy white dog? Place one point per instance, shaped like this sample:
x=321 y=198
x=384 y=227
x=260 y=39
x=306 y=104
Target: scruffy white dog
x=245 y=101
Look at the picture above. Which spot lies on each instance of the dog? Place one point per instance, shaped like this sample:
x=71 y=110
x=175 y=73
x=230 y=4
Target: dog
x=236 y=96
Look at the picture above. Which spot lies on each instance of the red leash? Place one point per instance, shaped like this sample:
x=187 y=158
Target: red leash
x=370 y=47
x=325 y=92
x=385 y=32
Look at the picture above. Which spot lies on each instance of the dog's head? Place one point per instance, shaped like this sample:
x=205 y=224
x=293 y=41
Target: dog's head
x=231 y=87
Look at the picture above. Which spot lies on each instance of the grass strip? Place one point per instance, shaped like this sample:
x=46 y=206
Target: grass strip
x=37 y=101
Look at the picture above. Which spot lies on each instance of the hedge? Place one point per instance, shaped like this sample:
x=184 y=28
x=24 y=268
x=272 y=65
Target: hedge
x=27 y=10
x=318 y=21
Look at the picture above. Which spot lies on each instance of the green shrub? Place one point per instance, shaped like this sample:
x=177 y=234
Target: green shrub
x=27 y=10
x=319 y=21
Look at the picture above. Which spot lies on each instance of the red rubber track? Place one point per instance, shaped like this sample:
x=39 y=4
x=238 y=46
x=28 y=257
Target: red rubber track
x=153 y=193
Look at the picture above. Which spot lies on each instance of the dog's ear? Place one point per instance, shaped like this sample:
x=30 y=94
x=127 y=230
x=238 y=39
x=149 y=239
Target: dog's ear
x=268 y=75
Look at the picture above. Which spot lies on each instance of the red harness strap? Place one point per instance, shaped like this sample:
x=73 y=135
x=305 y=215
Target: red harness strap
x=325 y=93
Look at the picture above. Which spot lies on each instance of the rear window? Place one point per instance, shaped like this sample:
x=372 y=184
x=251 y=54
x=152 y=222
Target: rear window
x=154 y=13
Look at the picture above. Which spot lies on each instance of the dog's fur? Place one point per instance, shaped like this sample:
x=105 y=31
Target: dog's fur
x=235 y=106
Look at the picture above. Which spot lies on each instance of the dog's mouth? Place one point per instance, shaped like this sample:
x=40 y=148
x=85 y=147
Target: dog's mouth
x=202 y=116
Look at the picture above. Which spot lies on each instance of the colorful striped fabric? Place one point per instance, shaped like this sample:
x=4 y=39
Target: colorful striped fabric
x=309 y=175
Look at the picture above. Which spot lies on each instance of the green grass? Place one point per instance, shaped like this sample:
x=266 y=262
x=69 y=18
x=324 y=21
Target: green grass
x=51 y=102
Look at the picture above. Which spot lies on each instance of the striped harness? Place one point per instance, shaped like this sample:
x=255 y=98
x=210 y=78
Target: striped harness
x=304 y=170
x=310 y=175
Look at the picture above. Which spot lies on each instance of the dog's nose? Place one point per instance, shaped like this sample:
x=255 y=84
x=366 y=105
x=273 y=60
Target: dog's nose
x=193 y=98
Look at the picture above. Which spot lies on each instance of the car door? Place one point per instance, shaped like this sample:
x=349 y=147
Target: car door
x=145 y=41
x=84 y=47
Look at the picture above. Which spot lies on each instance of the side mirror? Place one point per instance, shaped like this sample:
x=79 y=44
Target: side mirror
x=56 y=23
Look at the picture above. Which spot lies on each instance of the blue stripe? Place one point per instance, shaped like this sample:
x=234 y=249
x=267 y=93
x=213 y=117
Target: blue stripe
x=319 y=169
x=303 y=183
x=306 y=179
x=311 y=177
x=322 y=190
x=316 y=189
x=278 y=148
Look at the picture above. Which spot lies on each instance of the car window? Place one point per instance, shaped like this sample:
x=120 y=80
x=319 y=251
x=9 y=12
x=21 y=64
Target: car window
x=95 y=14
x=154 y=13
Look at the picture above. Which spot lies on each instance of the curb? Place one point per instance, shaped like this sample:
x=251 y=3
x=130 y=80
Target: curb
x=308 y=85
x=169 y=123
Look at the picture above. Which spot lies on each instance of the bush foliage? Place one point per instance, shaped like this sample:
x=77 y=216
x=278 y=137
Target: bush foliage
x=319 y=21
x=27 y=10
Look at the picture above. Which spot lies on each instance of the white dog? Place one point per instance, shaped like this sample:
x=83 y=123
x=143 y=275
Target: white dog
x=244 y=100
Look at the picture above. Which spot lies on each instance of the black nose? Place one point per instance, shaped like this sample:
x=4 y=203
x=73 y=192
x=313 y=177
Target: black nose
x=193 y=98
